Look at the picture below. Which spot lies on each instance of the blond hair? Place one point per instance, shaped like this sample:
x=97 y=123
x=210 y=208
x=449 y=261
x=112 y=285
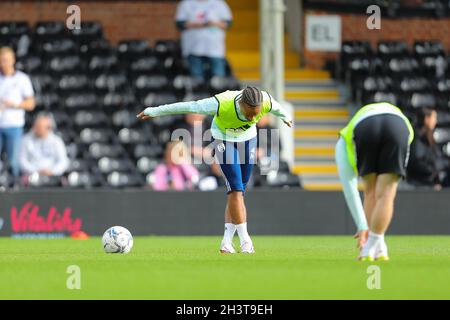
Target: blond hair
x=7 y=50
x=179 y=152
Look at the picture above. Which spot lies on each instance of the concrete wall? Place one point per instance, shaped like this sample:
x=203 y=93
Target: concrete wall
x=54 y=213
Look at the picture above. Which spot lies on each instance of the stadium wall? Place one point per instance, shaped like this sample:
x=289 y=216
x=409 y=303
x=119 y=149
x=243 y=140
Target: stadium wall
x=404 y=29
x=272 y=212
x=121 y=20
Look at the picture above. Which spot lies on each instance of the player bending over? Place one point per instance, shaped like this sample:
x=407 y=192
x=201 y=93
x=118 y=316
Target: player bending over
x=234 y=132
x=375 y=144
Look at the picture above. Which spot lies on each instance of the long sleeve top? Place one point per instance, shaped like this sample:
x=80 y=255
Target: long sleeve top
x=209 y=107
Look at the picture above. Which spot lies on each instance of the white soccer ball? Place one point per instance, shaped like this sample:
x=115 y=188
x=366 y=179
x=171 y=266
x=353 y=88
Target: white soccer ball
x=117 y=240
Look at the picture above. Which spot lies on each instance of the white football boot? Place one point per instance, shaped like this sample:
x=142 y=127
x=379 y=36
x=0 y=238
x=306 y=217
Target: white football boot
x=247 y=247
x=367 y=252
x=227 y=248
x=381 y=252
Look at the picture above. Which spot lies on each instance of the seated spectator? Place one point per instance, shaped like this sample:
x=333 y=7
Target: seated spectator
x=42 y=151
x=426 y=161
x=202 y=24
x=176 y=173
x=16 y=98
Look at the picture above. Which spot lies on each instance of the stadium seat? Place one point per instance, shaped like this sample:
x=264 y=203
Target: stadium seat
x=220 y=84
x=79 y=101
x=90 y=135
x=36 y=180
x=427 y=48
x=111 y=82
x=124 y=180
x=67 y=134
x=392 y=48
x=73 y=82
x=49 y=29
x=146 y=165
x=65 y=63
x=414 y=84
x=185 y=84
x=165 y=48
x=133 y=48
x=107 y=165
x=152 y=83
x=148 y=151
x=42 y=82
x=88 y=31
x=129 y=136
x=421 y=100
x=114 y=100
x=59 y=46
x=48 y=100
x=145 y=65
x=83 y=179
x=62 y=119
x=13 y=28
x=124 y=119
x=442 y=135
x=402 y=66
x=283 y=180
x=30 y=64
x=99 y=150
x=91 y=119
x=157 y=99
x=103 y=62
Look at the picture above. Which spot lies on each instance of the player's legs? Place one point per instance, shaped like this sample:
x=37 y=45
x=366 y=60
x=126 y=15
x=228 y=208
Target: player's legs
x=386 y=191
x=392 y=159
x=370 y=182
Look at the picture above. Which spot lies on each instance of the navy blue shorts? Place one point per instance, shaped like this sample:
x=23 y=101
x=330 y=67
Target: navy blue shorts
x=236 y=160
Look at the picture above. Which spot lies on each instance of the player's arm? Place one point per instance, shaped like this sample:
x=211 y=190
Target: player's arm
x=278 y=110
x=205 y=106
x=349 y=180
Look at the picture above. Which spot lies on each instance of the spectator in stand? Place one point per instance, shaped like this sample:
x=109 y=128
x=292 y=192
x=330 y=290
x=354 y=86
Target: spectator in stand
x=42 y=151
x=426 y=159
x=16 y=97
x=203 y=24
x=176 y=173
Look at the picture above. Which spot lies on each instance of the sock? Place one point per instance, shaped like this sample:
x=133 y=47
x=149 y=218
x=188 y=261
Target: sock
x=228 y=235
x=371 y=243
x=242 y=232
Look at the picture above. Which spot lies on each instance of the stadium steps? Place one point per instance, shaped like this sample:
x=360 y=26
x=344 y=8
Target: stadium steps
x=320 y=109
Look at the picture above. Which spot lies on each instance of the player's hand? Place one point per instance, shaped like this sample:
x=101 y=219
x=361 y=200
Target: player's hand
x=142 y=116
x=288 y=123
x=8 y=104
x=361 y=237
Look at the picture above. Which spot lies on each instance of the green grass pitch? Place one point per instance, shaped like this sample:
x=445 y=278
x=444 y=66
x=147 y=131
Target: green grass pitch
x=191 y=268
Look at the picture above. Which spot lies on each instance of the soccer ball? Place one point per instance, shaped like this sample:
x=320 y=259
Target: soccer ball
x=117 y=240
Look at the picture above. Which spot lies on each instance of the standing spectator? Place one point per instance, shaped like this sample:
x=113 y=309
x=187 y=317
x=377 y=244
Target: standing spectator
x=16 y=97
x=203 y=24
x=426 y=160
x=175 y=173
x=42 y=151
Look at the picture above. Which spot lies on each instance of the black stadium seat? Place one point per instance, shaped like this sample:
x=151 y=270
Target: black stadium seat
x=98 y=150
x=133 y=48
x=49 y=29
x=118 y=179
x=124 y=119
x=107 y=165
x=91 y=119
x=84 y=180
x=103 y=62
x=30 y=64
x=74 y=82
x=146 y=164
x=114 y=100
x=65 y=63
x=111 y=82
x=151 y=83
x=157 y=99
x=78 y=101
x=95 y=135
